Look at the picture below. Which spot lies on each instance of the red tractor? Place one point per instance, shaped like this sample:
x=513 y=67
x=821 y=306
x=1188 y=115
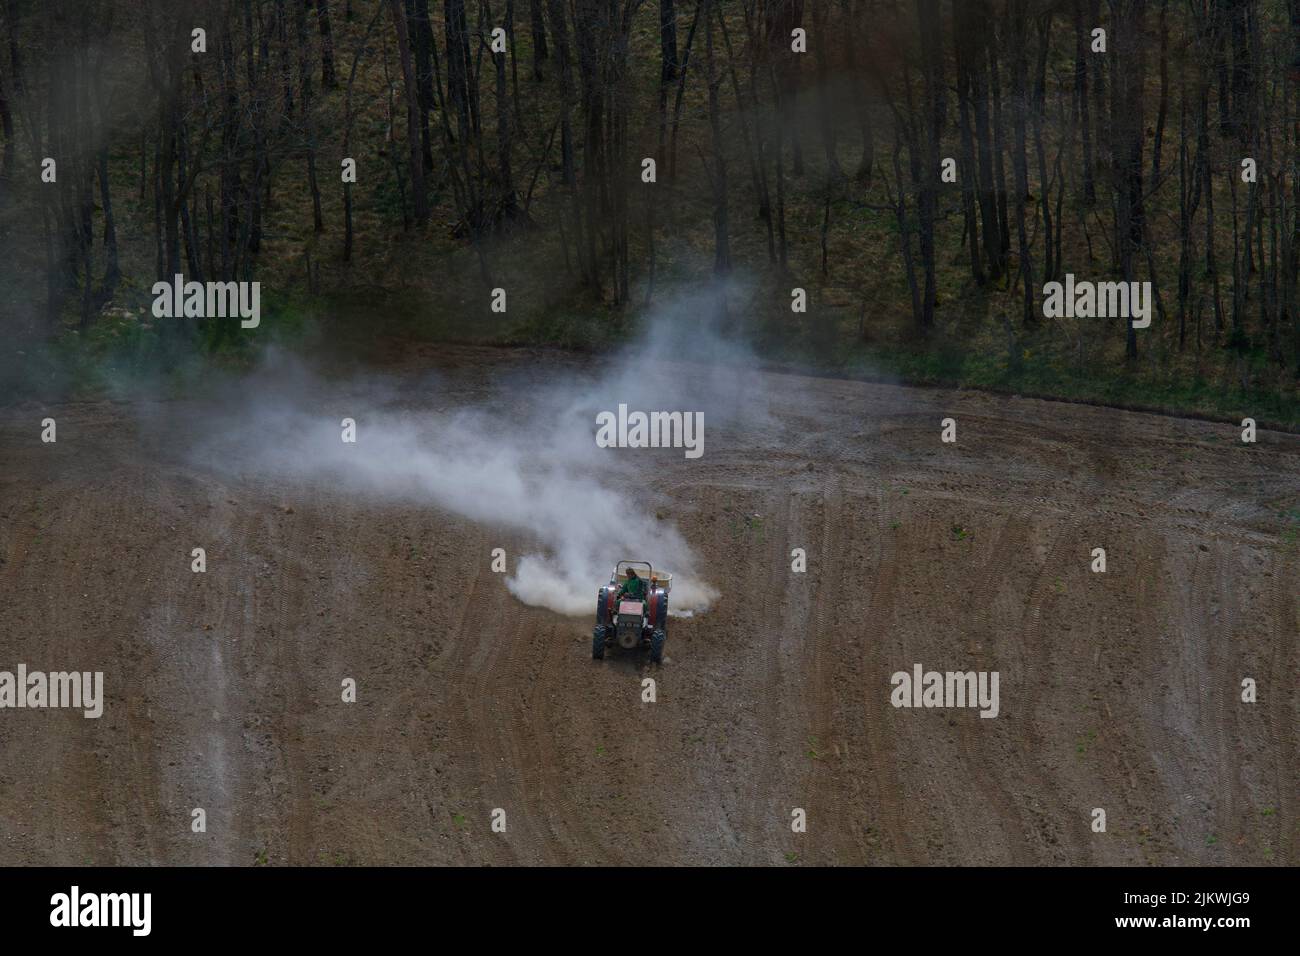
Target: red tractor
x=632 y=614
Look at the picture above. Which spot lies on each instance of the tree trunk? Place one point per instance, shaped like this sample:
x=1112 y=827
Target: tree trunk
x=416 y=163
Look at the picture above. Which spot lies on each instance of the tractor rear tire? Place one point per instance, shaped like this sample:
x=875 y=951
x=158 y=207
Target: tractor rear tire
x=657 y=646
x=598 y=644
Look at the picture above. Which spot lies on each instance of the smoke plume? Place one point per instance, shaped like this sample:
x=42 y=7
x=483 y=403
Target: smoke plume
x=520 y=454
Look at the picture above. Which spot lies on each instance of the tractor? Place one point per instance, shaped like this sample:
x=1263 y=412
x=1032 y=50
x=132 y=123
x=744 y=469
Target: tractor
x=632 y=624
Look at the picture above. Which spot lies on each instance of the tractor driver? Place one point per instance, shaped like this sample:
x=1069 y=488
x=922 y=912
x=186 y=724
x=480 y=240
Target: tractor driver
x=633 y=587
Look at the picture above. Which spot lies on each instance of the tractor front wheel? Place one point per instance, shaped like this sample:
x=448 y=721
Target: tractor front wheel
x=657 y=646
x=598 y=644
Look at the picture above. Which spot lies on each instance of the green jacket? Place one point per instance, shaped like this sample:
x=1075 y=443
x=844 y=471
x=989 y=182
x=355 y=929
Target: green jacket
x=633 y=588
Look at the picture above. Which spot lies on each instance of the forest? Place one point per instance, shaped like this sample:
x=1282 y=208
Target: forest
x=880 y=188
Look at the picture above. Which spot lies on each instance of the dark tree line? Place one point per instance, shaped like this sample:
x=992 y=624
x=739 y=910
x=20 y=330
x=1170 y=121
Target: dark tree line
x=776 y=122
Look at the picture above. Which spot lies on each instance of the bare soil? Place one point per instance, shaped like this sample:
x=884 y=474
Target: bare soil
x=1119 y=690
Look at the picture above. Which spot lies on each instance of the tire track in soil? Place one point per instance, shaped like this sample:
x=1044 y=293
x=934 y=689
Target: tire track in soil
x=230 y=610
x=994 y=769
x=826 y=817
x=453 y=668
x=851 y=668
x=882 y=746
x=244 y=552
x=496 y=686
x=557 y=706
x=476 y=662
x=754 y=828
x=294 y=701
x=1089 y=486
x=534 y=757
x=145 y=772
x=850 y=689
x=1178 y=710
x=732 y=791
x=1285 y=714
x=165 y=634
x=242 y=549
x=1223 y=779
x=506 y=688
x=782 y=777
x=1039 y=707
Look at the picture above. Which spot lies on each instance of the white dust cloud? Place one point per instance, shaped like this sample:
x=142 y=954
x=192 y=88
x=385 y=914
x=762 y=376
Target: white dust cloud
x=521 y=456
